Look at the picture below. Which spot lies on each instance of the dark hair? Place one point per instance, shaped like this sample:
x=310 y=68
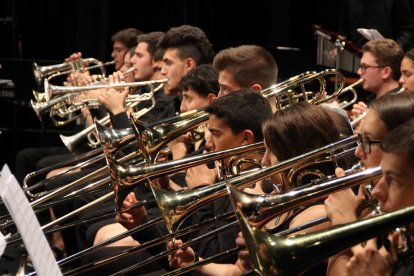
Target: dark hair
x=401 y=141
x=246 y=109
x=128 y=37
x=387 y=52
x=159 y=54
x=152 y=39
x=248 y=64
x=202 y=79
x=190 y=41
x=410 y=54
x=297 y=129
x=394 y=109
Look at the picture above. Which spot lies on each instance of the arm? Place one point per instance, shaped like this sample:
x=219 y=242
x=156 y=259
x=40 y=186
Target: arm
x=185 y=256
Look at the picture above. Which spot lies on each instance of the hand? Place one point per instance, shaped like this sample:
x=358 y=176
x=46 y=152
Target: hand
x=181 y=257
x=200 y=175
x=73 y=57
x=244 y=256
x=358 y=109
x=179 y=146
x=133 y=217
x=341 y=207
x=368 y=260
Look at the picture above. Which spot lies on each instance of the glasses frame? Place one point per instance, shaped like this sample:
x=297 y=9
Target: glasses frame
x=364 y=67
x=366 y=143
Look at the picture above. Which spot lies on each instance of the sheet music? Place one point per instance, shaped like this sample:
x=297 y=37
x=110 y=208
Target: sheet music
x=27 y=224
x=370 y=34
x=3 y=243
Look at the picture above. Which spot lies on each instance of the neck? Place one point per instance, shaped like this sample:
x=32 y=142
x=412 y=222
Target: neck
x=386 y=88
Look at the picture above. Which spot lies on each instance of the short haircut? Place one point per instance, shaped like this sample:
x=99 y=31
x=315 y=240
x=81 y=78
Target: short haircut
x=128 y=37
x=248 y=64
x=246 y=109
x=394 y=109
x=191 y=42
x=401 y=141
x=298 y=129
x=152 y=39
x=202 y=79
x=387 y=52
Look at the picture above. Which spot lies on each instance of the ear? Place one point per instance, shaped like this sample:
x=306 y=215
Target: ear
x=190 y=64
x=248 y=137
x=256 y=87
x=387 y=73
x=211 y=97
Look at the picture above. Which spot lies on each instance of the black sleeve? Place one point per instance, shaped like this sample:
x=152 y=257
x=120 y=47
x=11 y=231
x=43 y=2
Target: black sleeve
x=120 y=121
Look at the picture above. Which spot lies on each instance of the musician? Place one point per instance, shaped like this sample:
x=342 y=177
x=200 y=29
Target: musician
x=199 y=88
x=32 y=159
x=235 y=120
x=122 y=41
x=407 y=71
x=384 y=115
x=394 y=191
x=380 y=70
x=245 y=66
x=392 y=18
x=290 y=132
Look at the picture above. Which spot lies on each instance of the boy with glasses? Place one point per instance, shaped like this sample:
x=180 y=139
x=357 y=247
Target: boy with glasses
x=380 y=70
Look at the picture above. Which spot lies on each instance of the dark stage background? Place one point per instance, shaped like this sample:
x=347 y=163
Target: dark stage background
x=47 y=31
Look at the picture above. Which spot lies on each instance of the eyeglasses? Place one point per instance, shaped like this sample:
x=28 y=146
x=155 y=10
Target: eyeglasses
x=364 y=67
x=366 y=143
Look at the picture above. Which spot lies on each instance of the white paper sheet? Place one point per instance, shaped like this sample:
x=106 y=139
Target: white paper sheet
x=27 y=224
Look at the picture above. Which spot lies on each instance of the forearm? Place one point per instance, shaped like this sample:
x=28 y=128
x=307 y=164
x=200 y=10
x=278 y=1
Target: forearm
x=215 y=269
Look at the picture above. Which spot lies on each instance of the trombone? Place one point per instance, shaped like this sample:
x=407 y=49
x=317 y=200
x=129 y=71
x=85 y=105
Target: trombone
x=350 y=88
x=286 y=95
x=278 y=255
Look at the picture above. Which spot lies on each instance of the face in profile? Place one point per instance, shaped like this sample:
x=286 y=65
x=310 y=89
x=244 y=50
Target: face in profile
x=192 y=100
x=118 y=53
x=395 y=190
x=407 y=74
x=226 y=83
x=372 y=129
x=174 y=69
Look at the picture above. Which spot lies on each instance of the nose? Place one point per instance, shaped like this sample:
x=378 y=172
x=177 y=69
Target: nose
x=378 y=191
x=401 y=80
x=183 y=107
x=360 y=153
x=359 y=72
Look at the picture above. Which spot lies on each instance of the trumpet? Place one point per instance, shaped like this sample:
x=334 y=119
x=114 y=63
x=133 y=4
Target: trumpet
x=132 y=100
x=43 y=72
x=56 y=90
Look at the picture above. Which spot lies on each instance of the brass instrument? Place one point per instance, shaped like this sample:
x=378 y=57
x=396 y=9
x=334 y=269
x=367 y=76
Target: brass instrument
x=281 y=255
x=175 y=205
x=56 y=90
x=132 y=100
x=286 y=95
x=43 y=72
x=350 y=88
x=261 y=208
x=124 y=177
